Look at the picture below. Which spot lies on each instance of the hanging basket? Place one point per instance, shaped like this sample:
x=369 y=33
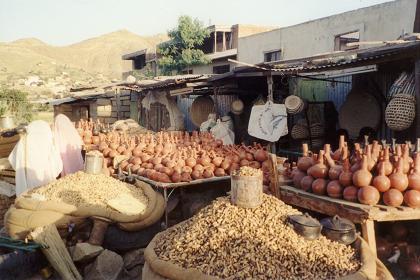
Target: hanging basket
x=294 y=104
x=403 y=84
x=201 y=107
x=299 y=131
x=400 y=112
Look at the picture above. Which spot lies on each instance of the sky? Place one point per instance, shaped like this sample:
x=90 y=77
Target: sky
x=63 y=22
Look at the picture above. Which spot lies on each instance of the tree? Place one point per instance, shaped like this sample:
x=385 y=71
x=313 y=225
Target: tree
x=182 y=50
x=15 y=103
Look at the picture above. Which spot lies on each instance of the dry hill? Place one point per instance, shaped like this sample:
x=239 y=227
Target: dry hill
x=41 y=68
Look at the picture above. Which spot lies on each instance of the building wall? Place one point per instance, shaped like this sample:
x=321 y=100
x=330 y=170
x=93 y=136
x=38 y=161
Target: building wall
x=103 y=109
x=380 y=22
x=208 y=68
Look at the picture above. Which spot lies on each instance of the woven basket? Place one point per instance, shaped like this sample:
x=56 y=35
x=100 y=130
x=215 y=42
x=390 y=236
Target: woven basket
x=317 y=130
x=5 y=203
x=359 y=110
x=316 y=144
x=299 y=131
x=400 y=112
x=293 y=104
x=403 y=84
x=201 y=107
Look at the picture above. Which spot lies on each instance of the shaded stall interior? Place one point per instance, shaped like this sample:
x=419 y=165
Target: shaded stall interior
x=325 y=82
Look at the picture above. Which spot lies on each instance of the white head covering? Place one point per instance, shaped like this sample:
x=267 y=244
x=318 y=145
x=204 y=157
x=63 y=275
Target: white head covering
x=34 y=158
x=69 y=144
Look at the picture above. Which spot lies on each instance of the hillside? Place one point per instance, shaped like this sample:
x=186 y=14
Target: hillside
x=46 y=70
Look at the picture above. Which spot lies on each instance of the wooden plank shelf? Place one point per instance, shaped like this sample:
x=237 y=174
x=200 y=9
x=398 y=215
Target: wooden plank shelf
x=358 y=213
x=354 y=211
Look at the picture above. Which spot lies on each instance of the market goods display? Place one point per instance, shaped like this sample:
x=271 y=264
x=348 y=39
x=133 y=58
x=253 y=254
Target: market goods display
x=173 y=157
x=78 y=196
x=92 y=132
x=230 y=242
x=90 y=190
x=369 y=175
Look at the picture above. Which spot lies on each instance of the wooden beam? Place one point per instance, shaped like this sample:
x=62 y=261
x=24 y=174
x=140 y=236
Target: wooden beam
x=417 y=88
x=197 y=84
x=180 y=91
x=416 y=27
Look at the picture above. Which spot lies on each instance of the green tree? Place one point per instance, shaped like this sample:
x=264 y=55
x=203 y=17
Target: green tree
x=15 y=103
x=182 y=50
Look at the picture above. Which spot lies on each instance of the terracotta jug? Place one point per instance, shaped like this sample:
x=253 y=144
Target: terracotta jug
x=414 y=177
x=362 y=177
x=319 y=170
x=382 y=182
x=398 y=179
x=305 y=161
x=385 y=162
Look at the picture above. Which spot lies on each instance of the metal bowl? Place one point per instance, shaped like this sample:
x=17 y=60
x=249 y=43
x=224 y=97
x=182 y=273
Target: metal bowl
x=305 y=226
x=339 y=229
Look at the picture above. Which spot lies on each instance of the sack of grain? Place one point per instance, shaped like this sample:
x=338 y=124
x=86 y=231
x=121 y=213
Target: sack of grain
x=225 y=241
x=154 y=216
x=19 y=222
x=86 y=195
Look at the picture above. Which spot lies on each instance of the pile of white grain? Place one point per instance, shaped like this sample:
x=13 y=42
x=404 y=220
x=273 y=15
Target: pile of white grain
x=82 y=189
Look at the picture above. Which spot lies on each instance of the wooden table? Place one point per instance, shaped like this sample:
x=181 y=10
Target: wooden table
x=165 y=187
x=358 y=213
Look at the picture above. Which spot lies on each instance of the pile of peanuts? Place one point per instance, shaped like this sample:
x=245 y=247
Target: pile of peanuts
x=236 y=243
x=82 y=189
x=247 y=171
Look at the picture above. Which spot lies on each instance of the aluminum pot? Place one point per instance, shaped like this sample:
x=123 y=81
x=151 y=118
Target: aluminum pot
x=339 y=229
x=7 y=123
x=305 y=226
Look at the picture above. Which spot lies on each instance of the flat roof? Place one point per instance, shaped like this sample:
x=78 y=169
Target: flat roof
x=133 y=55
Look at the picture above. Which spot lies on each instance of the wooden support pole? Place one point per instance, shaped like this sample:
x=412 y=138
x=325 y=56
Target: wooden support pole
x=274 y=178
x=224 y=41
x=368 y=233
x=216 y=103
x=56 y=252
x=215 y=42
x=271 y=98
x=117 y=100
x=417 y=88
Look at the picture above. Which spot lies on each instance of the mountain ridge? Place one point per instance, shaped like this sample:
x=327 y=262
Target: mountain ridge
x=90 y=61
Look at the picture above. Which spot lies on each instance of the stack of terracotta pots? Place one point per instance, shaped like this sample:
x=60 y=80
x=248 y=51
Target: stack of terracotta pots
x=369 y=175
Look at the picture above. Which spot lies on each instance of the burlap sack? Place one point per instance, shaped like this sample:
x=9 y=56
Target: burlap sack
x=149 y=274
x=172 y=271
x=19 y=222
x=25 y=202
x=151 y=219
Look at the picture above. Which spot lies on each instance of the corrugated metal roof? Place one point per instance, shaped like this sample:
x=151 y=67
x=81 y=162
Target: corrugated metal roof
x=338 y=59
x=328 y=61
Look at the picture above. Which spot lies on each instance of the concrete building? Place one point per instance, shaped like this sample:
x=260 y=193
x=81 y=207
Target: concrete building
x=221 y=45
x=143 y=62
x=381 y=22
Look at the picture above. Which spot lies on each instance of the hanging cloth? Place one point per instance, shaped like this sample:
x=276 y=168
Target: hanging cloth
x=35 y=158
x=69 y=144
